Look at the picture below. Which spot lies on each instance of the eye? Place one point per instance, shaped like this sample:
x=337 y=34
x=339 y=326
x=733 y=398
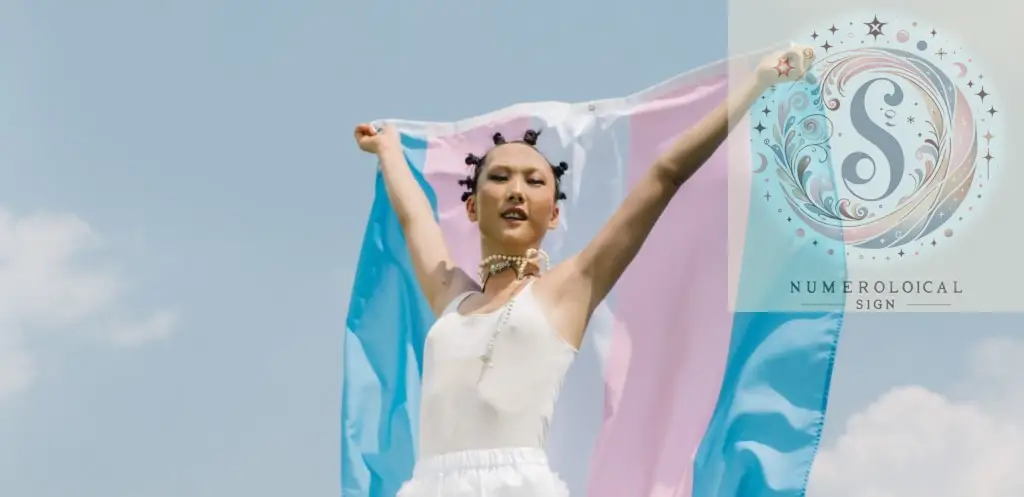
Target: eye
x=497 y=177
x=535 y=181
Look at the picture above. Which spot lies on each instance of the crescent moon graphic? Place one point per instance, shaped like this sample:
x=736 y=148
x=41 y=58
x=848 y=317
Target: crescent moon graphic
x=764 y=164
x=962 y=68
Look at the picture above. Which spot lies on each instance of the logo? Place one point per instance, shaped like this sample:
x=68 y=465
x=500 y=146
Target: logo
x=885 y=150
x=886 y=145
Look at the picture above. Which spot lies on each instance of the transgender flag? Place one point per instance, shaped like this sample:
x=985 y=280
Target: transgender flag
x=673 y=394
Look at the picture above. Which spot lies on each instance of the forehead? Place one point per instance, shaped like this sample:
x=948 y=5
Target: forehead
x=516 y=154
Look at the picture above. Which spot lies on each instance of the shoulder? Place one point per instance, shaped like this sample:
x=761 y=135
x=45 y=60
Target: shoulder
x=563 y=285
x=455 y=289
x=564 y=301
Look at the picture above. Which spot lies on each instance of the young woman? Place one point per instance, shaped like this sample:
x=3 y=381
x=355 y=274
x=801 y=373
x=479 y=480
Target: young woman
x=504 y=339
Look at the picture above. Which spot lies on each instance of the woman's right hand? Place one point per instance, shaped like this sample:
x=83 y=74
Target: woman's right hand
x=372 y=141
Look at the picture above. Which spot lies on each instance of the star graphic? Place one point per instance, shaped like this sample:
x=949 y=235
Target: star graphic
x=989 y=136
x=991 y=111
x=970 y=84
x=934 y=32
x=941 y=53
x=982 y=94
x=766 y=111
x=814 y=35
x=783 y=67
x=833 y=29
x=760 y=127
x=826 y=46
x=875 y=27
x=988 y=156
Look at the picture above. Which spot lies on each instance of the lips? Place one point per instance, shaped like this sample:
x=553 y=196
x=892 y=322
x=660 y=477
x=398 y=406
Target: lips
x=514 y=214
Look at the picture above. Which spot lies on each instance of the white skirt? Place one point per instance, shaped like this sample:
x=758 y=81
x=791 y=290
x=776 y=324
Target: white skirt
x=516 y=472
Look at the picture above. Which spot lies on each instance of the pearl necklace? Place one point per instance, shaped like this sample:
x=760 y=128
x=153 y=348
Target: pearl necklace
x=495 y=264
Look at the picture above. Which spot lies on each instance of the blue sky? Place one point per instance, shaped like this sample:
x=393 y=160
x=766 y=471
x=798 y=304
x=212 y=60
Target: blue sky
x=184 y=174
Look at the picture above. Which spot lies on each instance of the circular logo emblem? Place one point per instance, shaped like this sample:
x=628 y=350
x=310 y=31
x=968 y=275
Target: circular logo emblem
x=887 y=144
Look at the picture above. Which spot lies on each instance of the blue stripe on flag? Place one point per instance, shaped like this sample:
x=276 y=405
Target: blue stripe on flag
x=766 y=428
x=388 y=319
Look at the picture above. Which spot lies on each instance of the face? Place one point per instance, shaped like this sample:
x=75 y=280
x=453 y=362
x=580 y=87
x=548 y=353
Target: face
x=514 y=204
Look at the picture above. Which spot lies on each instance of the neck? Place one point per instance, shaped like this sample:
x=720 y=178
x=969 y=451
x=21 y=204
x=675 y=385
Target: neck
x=500 y=269
x=498 y=283
x=488 y=249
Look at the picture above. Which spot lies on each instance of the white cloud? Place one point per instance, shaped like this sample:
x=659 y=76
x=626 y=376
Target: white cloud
x=914 y=442
x=47 y=284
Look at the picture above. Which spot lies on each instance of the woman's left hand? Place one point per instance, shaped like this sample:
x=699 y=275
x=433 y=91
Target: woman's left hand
x=786 y=66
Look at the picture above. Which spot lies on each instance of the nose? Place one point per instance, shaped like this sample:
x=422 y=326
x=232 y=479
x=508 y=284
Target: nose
x=515 y=194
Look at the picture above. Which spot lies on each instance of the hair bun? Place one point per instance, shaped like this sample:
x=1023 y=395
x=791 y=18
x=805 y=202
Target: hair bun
x=472 y=160
x=560 y=169
x=498 y=139
x=530 y=137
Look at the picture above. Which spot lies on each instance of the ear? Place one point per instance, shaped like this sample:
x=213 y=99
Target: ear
x=471 y=209
x=553 y=222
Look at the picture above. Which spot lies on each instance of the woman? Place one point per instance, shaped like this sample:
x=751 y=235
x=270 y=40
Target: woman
x=496 y=357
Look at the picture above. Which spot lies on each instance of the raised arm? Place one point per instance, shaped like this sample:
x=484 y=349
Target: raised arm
x=439 y=278
x=600 y=264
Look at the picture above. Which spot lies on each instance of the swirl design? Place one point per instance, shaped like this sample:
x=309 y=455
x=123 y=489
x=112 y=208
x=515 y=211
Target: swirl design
x=918 y=192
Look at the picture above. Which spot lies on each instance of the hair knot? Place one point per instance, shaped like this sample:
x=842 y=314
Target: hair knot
x=530 y=137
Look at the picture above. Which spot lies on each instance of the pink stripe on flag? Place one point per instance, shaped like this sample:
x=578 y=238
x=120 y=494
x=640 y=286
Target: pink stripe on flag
x=668 y=356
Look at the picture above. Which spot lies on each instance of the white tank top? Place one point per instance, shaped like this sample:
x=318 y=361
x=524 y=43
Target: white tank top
x=512 y=403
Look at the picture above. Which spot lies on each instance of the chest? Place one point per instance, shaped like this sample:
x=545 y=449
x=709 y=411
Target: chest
x=457 y=337
x=518 y=338
x=528 y=360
